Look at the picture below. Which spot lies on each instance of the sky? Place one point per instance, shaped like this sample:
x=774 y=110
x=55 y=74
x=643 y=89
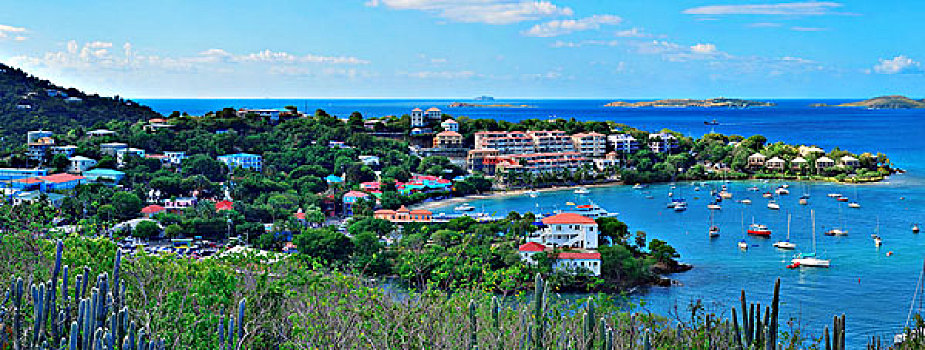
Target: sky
x=607 y=49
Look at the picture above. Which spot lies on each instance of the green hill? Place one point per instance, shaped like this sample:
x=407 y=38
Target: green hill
x=49 y=107
x=886 y=102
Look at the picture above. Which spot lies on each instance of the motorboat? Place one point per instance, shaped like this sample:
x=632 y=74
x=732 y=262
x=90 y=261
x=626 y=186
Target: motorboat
x=533 y=193
x=842 y=199
x=786 y=244
x=810 y=259
x=746 y=201
x=714 y=206
x=836 y=232
x=855 y=205
x=782 y=191
x=915 y=228
x=590 y=210
x=681 y=206
x=743 y=245
x=803 y=201
x=713 y=122
x=725 y=194
x=758 y=230
x=638 y=186
x=834 y=195
x=773 y=205
x=582 y=190
x=464 y=207
x=767 y=195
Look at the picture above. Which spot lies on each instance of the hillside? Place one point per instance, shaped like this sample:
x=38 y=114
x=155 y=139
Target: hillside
x=29 y=103
x=686 y=102
x=882 y=102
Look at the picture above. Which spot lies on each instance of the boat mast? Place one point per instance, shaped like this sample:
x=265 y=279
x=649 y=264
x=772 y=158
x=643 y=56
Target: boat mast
x=788 y=227
x=812 y=214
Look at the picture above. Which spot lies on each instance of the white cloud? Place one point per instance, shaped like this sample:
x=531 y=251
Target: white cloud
x=787 y=9
x=549 y=75
x=704 y=49
x=6 y=31
x=464 y=74
x=480 y=11
x=808 y=29
x=565 y=26
x=631 y=33
x=570 y=44
x=764 y=25
x=898 y=65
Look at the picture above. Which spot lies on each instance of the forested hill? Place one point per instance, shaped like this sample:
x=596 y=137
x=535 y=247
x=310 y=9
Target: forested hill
x=29 y=103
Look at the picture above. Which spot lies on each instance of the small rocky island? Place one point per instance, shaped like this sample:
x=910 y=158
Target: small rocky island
x=720 y=102
x=482 y=105
x=882 y=102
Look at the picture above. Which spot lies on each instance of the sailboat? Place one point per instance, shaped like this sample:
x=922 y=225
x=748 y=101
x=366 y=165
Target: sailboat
x=838 y=231
x=876 y=236
x=915 y=228
x=714 y=230
x=742 y=244
x=810 y=259
x=773 y=205
x=854 y=203
x=786 y=244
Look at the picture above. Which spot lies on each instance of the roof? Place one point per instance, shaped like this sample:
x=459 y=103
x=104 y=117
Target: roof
x=451 y=121
x=531 y=247
x=824 y=159
x=59 y=178
x=757 y=155
x=152 y=209
x=568 y=218
x=31 y=180
x=775 y=160
x=579 y=256
x=848 y=158
x=356 y=194
x=157 y=120
x=422 y=211
x=224 y=205
x=433 y=109
x=403 y=209
x=798 y=160
x=299 y=215
x=449 y=133
x=383 y=211
x=79 y=158
x=104 y=171
x=239 y=155
x=416 y=110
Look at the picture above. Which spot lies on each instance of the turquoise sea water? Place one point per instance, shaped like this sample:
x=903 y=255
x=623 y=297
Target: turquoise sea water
x=872 y=289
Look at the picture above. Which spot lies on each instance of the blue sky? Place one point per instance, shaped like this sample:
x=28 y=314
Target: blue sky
x=457 y=49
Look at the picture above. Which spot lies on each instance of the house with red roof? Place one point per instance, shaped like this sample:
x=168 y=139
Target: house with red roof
x=568 y=261
x=568 y=230
x=152 y=210
x=224 y=205
x=60 y=182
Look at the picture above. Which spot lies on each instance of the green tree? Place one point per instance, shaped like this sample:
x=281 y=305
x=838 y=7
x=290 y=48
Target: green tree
x=146 y=229
x=325 y=244
x=126 y=205
x=662 y=252
x=378 y=227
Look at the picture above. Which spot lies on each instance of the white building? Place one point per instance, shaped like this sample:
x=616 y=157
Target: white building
x=433 y=113
x=36 y=135
x=624 y=143
x=775 y=163
x=568 y=230
x=372 y=161
x=66 y=151
x=450 y=125
x=590 y=144
x=112 y=148
x=417 y=118
x=122 y=154
x=243 y=160
x=175 y=157
x=80 y=164
x=564 y=261
x=824 y=162
x=662 y=142
x=849 y=162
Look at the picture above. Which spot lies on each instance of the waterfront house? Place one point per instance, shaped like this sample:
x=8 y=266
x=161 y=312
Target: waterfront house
x=448 y=139
x=350 y=198
x=104 y=175
x=590 y=144
x=848 y=161
x=542 y=162
x=111 y=148
x=61 y=182
x=824 y=162
x=610 y=160
x=80 y=164
x=798 y=163
x=450 y=125
x=67 y=151
x=624 y=143
x=404 y=215
x=568 y=261
x=433 y=113
x=576 y=261
x=152 y=210
x=775 y=164
x=663 y=143
x=568 y=230
x=242 y=160
x=73 y=99
x=807 y=151
x=756 y=160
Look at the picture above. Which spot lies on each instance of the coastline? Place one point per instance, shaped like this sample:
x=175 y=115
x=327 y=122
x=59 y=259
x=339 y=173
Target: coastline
x=501 y=194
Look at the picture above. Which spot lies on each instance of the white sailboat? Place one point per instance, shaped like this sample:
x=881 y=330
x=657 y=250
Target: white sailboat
x=876 y=236
x=854 y=204
x=786 y=244
x=838 y=231
x=773 y=205
x=810 y=259
x=714 y=230
x=742 y=244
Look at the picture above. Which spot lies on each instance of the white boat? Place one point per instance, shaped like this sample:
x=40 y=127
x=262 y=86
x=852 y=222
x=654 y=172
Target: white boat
x=681 y=206
x=810 y=259
x=670 y=194
x=781 y=191
x=743 y=245
x=714 y=230
x=785 y=185
x=464 y=207
x=854 y=205
x=582 y=190
x=725 y=194
x=590 y=210
x=803 y=201
x=533 y=193
x=786 y=244
x=877 y=241
x=767 y=195
x=746 y=201
x=836 y=232
x=714 y=206
x=773 y=205
x=834 y=195
x=753 y=188
x=915 y=228
x=638 y=186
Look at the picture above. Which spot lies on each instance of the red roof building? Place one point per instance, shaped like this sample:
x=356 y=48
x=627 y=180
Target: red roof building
x=224 y=205
x=532 y=247
x=152 y=210
x=61 y=178
x=579 y=256
x=568 y=219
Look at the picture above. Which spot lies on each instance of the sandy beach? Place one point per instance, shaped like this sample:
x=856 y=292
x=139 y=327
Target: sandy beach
x=500 y=194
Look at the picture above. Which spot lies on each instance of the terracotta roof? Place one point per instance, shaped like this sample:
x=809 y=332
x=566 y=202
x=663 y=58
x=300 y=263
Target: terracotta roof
x=416 y=110
x=59 y=178
x=449 y=133
x=152 y=209
x=31 y=180
x=422 y=211
x=433 y=109
x=384 y=211
x=403 y=209
x=299 y=215
x=568 y=218
x=531 y=247
x=579 y=256
x=224 y=205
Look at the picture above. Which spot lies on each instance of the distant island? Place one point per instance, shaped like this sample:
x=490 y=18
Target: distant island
x=882 y=102
x=686 y=102
x=481 y=105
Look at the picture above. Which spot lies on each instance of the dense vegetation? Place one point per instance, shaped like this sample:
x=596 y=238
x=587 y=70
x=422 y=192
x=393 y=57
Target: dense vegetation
x=56 y=113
